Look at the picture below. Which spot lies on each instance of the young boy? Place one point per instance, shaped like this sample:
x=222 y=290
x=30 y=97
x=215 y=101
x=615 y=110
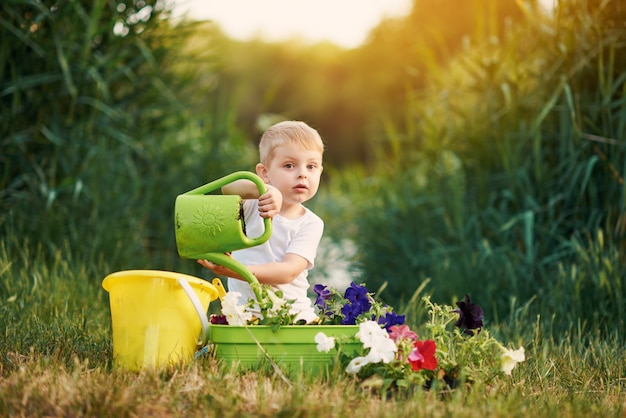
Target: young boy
x=291 y=166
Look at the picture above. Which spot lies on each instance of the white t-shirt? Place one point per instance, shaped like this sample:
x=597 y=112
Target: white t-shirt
x=299 y=236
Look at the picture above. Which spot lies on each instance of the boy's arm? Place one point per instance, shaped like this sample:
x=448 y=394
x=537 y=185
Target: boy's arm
x=282 y=272
x=270 y=202
x=244 y=188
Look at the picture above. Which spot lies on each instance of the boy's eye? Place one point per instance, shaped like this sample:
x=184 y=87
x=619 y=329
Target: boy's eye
x=288 y=165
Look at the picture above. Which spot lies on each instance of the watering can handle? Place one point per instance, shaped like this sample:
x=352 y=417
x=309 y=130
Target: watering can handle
x=204 y=334
x=239 y=175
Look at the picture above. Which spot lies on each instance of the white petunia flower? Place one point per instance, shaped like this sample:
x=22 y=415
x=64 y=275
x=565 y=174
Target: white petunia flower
x=372 y=336
x=510 y=358
x=370 y=332
x=324 y=342
x=277 y=303
x=356 y=364
x=383 y=349
x=235 y=314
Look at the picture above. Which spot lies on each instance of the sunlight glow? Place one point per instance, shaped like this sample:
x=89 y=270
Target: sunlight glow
x=343 y=22
x=346 y=23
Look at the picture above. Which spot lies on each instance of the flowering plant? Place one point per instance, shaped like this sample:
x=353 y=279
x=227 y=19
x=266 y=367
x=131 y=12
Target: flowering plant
x=357 y=304
x=451 y=347
x=270 y=308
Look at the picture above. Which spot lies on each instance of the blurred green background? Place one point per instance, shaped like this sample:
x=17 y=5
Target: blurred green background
x=480 y=149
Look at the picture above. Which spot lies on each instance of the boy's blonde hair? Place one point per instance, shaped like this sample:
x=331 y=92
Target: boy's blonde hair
x=293 y=132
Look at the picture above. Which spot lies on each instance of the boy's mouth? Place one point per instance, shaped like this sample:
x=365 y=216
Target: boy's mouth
x=301 y=187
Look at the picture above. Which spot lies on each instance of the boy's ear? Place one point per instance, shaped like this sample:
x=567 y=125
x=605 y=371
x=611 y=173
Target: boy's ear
x=261 y=171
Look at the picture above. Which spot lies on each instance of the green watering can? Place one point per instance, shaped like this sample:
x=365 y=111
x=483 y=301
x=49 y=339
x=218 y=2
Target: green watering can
x=209 y=225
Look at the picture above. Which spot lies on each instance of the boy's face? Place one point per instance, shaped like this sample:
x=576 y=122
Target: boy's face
x=294 y=171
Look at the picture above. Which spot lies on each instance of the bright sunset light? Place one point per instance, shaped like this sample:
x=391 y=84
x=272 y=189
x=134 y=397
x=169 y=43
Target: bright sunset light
x=344 y=22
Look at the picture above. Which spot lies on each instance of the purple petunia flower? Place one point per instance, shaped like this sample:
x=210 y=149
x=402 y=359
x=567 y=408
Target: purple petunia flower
x=357 y=295
x=470 y=316
x=390 y=319
x=323 y=294
x=350 y=312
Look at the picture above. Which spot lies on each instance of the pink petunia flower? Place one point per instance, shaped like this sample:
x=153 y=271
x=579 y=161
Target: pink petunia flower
x=401 y=332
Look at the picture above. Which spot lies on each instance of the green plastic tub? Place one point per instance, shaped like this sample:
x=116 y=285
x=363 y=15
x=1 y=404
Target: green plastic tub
x=291 y=347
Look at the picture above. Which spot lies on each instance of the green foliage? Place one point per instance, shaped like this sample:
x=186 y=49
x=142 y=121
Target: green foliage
x=274 y=309
x=507 y=180
x=95 y=141
x=52 y=307
x=469 y=358
x=56 y=359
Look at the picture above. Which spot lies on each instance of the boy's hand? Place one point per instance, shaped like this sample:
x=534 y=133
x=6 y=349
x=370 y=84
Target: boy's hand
x=217 y=269
x=270 y=202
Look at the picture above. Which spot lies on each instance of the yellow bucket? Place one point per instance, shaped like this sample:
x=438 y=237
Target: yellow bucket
x=158 y=317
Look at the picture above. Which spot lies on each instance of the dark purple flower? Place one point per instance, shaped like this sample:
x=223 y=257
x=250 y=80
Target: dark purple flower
x=390 y=319
x=357 y=295
x=470 y=316
x=218 y=319
x=323 y=294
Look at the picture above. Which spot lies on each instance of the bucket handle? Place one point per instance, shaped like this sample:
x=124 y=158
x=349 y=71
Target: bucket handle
x=204 y=334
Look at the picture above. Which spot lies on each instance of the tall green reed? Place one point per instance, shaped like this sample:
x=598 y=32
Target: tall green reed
x=510 y=159
x=96 y=134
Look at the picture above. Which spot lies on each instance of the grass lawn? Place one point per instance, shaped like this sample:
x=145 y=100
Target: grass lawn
x=56 y=360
